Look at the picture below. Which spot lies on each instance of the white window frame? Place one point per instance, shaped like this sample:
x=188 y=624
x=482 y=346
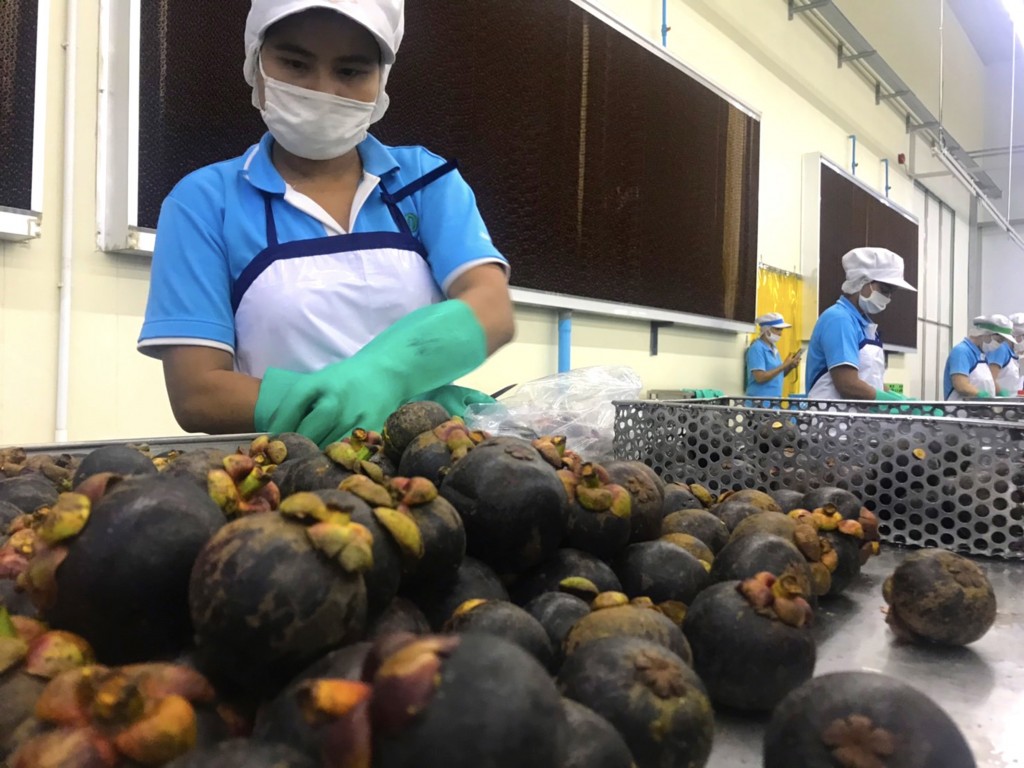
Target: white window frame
x=18 y=225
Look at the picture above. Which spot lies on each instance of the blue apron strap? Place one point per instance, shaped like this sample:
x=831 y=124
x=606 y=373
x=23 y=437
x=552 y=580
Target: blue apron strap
x=271 y=225
x=391 y=200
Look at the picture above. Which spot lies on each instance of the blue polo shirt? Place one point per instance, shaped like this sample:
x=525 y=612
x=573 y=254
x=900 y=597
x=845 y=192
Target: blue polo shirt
x=762 y=356
x=837 y=339
x=963 y=359
x=1002 y=356
x=213 y=223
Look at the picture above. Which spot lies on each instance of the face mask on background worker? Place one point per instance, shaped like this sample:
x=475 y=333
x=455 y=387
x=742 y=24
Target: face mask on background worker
x=875 y=302
x=872 y=274
x=991 y=345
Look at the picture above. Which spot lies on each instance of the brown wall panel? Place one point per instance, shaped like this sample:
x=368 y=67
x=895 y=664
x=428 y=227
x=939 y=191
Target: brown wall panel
x=18 y=19
x=852 y=217
x=601 y=169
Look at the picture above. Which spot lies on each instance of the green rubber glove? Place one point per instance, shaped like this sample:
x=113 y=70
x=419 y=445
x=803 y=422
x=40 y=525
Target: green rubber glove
x=455 y=399
x=429 y=348
x=1007 y=393
x=896 y=397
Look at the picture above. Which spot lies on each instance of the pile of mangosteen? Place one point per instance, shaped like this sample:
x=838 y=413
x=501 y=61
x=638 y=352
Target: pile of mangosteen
x=435 y=596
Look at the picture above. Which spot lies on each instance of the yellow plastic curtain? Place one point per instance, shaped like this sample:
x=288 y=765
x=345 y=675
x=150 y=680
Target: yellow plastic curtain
x=784 y=292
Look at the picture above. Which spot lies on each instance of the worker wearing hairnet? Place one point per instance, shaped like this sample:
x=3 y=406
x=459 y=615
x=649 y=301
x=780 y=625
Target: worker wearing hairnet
x=1005 y=361
x=765 y=366
x=322 y=279
x=967 y=374
x=845 y=359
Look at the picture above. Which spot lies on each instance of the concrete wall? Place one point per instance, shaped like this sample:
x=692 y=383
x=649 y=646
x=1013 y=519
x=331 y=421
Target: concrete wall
x=781 y=68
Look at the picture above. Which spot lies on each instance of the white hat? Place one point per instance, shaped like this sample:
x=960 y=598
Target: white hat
x=997 y=324
x=385 y=19
x=1017 y=321
x=772 y=320
x=873 y=265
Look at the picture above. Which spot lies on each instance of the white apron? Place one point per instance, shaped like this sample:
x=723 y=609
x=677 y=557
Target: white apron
x=303 y=305
x=1009 y=377
x=870 y=369
x=981 y=379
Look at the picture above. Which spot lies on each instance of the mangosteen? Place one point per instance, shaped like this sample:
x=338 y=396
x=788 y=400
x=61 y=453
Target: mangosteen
x=766 y=522
x=17 y=599
x=8 y=513
x=649 y=694
x=599 y=511
x=272 y=591
x=503 y=619
x=245 y=753
x=760 y=552
x=849 y=506
x=788 y=499
x=120 y=459
x=464 y=701
x=401 y=615
x=120 y=558
x=195 y=465
x=763 y=501
x=244 y=485
x=387 y=467
x=693 y=545
x=565 y=564
x=612 y=615
x=313 y=473
x=593 y=741
x=677 y=497
x=700 y=524
x=851 y=719
x=847 y=560
x=384 y=577
x=661 y=571
x=438 y=600
x=409 y=421
x=432 y=454
x=647 y=492
x=512 y=503
x=751 y=643
x=297 y=447
x=283 y=721
x=732 y=513
x=557 y=612
x=939 y=597
x=425 y=526
x=28 y=492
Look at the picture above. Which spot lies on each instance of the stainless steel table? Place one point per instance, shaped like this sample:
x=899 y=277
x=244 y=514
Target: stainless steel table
x=980 y=686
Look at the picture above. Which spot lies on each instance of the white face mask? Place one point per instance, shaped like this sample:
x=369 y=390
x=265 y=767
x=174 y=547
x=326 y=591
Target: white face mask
x=773 y=338
x=991 y=346
x=875 y=303
x=1018 y=347
x=313 y=124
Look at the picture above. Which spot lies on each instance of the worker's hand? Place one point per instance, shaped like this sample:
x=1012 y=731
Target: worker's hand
x=886 y=395
x=1007 y=393
x=455 y=399
x=427 y=348
x=791 y=362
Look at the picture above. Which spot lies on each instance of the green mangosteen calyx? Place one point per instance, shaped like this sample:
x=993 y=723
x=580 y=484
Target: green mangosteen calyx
x=577 y=586
x=403 y=529
x=663 y=678
x=595 y=492
x=857 y=743
x=609 y=600
x=266 y=452
x=16 y=553
x=406 y=679
x=55 y=652
x=340 y=709
x=366 y=489
x=65 y=519
x=703 y=495
x=331 y=531
x=243 y=487
x=458 y=438
x=552 y=448
x=781 y=599
x=355 y=451
x=13 y=649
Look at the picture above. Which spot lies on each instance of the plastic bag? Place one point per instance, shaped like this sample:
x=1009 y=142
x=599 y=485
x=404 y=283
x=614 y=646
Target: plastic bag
x=577 y=404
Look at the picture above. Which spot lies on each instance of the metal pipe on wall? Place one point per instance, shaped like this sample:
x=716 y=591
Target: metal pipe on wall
x=853 y=157
x=67 y=254
x=664 y=23
x=885 y=162
x=565 y=341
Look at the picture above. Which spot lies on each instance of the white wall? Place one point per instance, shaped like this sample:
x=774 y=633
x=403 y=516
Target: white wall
x=779 y=67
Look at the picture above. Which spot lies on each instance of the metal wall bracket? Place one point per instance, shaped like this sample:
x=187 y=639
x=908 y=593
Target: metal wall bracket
x=842 y=58
x=880 y=97
x=656 y=326
x=913 y=127
x=795 y=8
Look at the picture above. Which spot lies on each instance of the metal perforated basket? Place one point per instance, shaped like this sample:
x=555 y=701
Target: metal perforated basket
x=932 y=481
x=1004 y=409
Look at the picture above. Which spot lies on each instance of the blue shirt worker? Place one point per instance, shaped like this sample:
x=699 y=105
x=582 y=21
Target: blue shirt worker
x=1005 y=361
x=967 y=374
x=322 y=279
x=765 y=367
x=845 y=359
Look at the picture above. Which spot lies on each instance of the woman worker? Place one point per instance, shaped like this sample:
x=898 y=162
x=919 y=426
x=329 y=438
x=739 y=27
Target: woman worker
x=321 y=279
x=1005 y=361
x=845 y=359
x=765 y=367
x=967 y=374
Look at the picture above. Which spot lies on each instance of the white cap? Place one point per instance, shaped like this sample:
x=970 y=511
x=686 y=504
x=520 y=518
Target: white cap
x=772 y=320
x=873 y=265
x=385 y=19
x=997 y=324
x=1017 y=321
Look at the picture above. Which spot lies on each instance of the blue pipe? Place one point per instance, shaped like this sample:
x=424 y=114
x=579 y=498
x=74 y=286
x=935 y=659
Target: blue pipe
x=564 y=341
x=887 y=187
x=853 y=161
x=664 y=23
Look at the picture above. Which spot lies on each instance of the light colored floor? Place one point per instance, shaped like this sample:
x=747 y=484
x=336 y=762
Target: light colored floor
x=980 y=686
